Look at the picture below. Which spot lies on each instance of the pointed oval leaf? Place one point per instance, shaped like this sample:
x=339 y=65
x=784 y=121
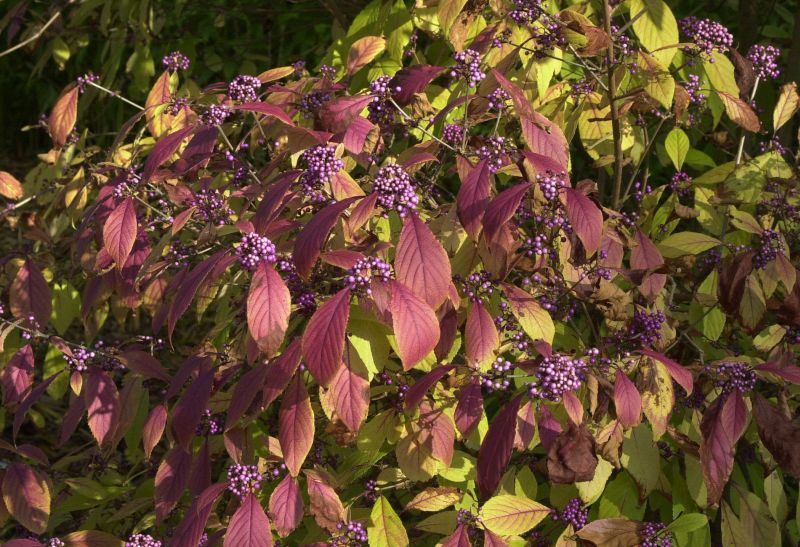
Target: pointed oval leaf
x=469 y=409
x=534 y=320
x=190 y=530
x=339 y=114
x=350 y=394
x=249 y=525
x=62 y=118
x=280 y=371
x=154 y=428
x=415 y=326
x=386 y=529
x=502 y=208
x=411 y=80
x=722 y=426
x=363 y=51
x=323 y=339
x=326 y=506
x=482 y=339
x=512 y=515
x=296 y=418
x=780 y=435
x=627 y=400
x=473 y=197
x=163 y=150
x=268 y=307
x=309 y=241
x=435 y=499
x=17 y=376
x=421 y=263
x=26 y=494
x=102 y=405
x=191 y=283
x=679 y=373
x=614 y=532
x=171 y=480
x=286 y=506
x=10 y=187
x=144 y=364
x=29 y=295
x=266 y=109
x=585 y=217
x=740 y=112
x=459 y=538
x=189 y=410
x=417 y=392
x=495 y=451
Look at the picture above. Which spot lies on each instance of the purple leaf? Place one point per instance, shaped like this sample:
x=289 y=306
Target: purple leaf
x=323 y=339
x=679 y=373
x=421 y=263
x=417 y=392
x=627 y=400
x=273 y=200
x=309 y=241
x=585 y=218
x=144 y=364
x=469 y=409
x=163 y=150
x=171 y=479
x=502 y=208
x=473 y=197
x=280 y=371
x=190 y=408
x=722 y=425
x=296 y=429
x=266 y=109
x=102 y=405
x=412 y=80
x=190 y=530
x=268 y=308
x=286 y=506
x=416 y=329
x=337 y=115
x=249 y=525
x=17 y=377
x=495 y=450
x=29 y=295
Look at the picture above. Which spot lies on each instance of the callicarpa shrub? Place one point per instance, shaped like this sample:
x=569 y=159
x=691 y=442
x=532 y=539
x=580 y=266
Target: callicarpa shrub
x=528 y=278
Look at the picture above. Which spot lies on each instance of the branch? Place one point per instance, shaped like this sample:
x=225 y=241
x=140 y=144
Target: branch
x=615 y=127
x=35 y=35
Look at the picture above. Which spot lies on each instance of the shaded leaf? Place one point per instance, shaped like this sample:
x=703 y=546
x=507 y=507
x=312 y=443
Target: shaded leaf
x=296 y=433
x=495 y=450
x=585 y=218
x=26 y=494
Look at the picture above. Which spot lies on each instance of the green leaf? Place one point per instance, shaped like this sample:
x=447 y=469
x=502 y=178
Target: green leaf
x=686 y=243
x=688 y=523
x=722 y=75
x=641 y=458
x=677 y=145
x=656 y=28
x=590 y=491
x=512 y=515
x=621 y=497
x=386 y=529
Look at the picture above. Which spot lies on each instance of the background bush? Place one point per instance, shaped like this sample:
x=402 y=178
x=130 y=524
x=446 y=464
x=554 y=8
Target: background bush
x=478 y=272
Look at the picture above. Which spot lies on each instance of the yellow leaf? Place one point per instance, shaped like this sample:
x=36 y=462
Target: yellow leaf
x=658 y=396
x=656 y=28
x=786 y=107
x=512 y=515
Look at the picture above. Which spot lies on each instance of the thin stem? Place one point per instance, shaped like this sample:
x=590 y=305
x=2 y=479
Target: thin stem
x=35 y=35
x=425 y=131
x=650 y=142
x=612 y=103
x=740 y=151
x=627 y=25
x=116 y=95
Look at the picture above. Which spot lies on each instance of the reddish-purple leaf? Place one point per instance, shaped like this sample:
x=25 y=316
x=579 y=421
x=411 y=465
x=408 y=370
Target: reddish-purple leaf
x=482 y=339
x=154 y=428
x=574 y=407
x=144 y=364
x=267 y=110
x=309 y=241
x=585 y=218
x=71 y=419
x=17 y=377
x=350 y=394
x=90 y=538
x=191 y=528
x=469 y=409
x=546 y=142
x=249 y=525
x=268 y=307
x=678 y=372
x=502 y=208
x=490 y=539
x=274 y=199
x=627 y=400
x=200 y=477
x=102 y=405
x=722 y=425
x=780 y=435
x=190 y=408
x=526 y=427
x=163 y=150
x=280 y=371
x=191 y=284
x=459 y=538
x=26 y=494
x=473 y=197
x=789 y=373
x=197 y=152
x=323 y=339
x=171 y=479
x=26 y=404
x=245 y=393
x=417 y=392
x=646 y=256
x=355 y=137
x=540 y=163
x=296 y=431
x=62 y=118
x=22 y=543
x=286 y=506
x=364 y=51
x=421 y=263
x=412 y=80
x=495 y=450
x=337 y=115
x=521 y=103
x=29 y=296
x=436 y=432
x=326 y=506
x=415 y=326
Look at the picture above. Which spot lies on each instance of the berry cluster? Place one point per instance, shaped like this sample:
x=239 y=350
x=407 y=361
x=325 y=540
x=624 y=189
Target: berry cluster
x=498 y=99
x=327 y=72
x=556 y=375
x=765 y=61
x=476 y=286
x=55 y=542
x=573 y=514
x=550 y=183
x=321 y=163
x=549 y=36
x=553 y=288
x=215 y=114
x=177 y=105
x=526 y=11
x=243 y=479
x=310 y=103
x=493 y=151
x=735 y=376
x=640 y=191
x=681 y=184
x=86 y=79
x=80 y=360
x=706 y=34
x=467 y=518
x=453 y=134
x=654 y=534
x=244 y=88
x=468 y=67
x=644 y=330
x=395 y=190
x=581 y=88
x=211 y=206
x=299 y=67
x=255 y=249
x=381 y=110
x=398 y=399
x=302 y=295
x=771 y=245
x=349 y=534
x=210 y=424
x=495 y=379
x=773 y=144
x=371 y=491
x=175 y=61
x=359 y=278
x=692 y=87
x=142 y=540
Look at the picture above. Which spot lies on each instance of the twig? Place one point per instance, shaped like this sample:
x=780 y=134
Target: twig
x=612 y=103
x=743 y=135
x=116 y=95
x=35 y=36
x=418 y=126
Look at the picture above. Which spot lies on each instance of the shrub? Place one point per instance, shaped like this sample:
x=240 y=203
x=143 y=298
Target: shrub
x=493 y=272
